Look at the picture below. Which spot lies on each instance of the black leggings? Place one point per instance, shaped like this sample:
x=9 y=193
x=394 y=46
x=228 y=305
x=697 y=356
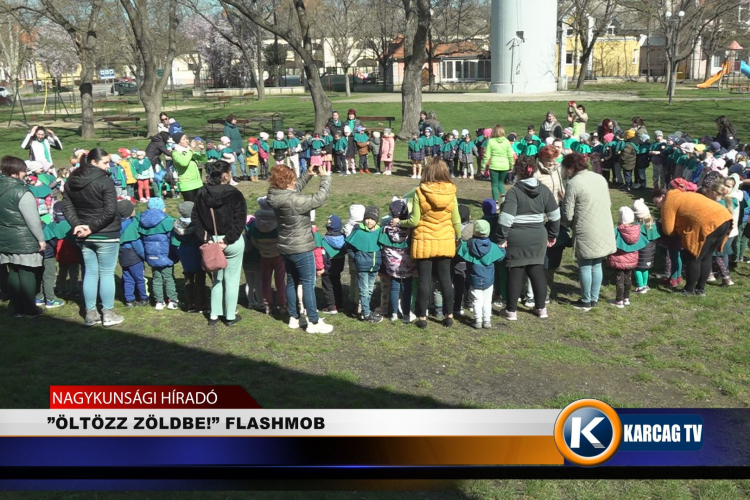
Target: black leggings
x=698 y=268
x=190 y=195
x=535 y=273
x=332 y=284
x=441 y=268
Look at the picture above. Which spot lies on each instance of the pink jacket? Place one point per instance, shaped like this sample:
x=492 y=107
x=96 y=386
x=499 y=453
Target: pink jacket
x=622 y=259
x=318 y=254
x=386 y=149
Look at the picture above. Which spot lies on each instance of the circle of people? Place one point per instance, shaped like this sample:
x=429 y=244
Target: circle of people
x=427 y=253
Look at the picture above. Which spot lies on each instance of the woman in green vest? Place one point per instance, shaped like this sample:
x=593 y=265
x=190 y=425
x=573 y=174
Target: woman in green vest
x=21 y=237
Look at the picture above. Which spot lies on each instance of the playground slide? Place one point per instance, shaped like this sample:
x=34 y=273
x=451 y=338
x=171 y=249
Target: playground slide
x=745 y=68
x=715 y=78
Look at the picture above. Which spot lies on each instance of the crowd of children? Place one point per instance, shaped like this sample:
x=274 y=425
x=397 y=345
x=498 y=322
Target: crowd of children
x=371 y=247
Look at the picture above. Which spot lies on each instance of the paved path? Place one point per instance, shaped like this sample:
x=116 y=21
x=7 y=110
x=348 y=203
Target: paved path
x=568 y=95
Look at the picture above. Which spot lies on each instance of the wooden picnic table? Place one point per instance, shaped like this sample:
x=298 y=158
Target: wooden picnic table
x=246 y=97
x=222 y=101
x=113 y=122
x=389 y=119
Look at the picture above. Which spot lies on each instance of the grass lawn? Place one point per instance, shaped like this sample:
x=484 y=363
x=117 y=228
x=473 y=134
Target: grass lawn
x=663 y=351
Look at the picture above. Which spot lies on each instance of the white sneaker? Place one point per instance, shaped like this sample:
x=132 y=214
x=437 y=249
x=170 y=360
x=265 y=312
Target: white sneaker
x=412 y=317
x=498 y=303
x=711 y=278
x=319 y=327
x=510 y=316
x=172 y=305
x=419 y=177
x=542 y=313
x=413 y=176
x=529 y=303
x=232 y=183
x=626 y=302
x=293 y=323
x=159 y=306
x=394 y=317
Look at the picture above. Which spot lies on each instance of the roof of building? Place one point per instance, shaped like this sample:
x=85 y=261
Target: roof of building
x=442 y=50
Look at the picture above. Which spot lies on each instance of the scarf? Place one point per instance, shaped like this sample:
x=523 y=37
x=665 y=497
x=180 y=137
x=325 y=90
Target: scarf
x=45 y=146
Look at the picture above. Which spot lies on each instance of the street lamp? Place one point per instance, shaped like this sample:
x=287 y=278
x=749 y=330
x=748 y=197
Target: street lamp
x=674 y=25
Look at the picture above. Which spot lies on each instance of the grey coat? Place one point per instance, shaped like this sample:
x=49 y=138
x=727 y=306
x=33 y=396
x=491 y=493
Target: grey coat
x=292 y=209
x=587 y=210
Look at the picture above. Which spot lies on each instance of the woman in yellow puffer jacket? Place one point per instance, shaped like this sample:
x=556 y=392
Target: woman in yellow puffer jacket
x=437 y=226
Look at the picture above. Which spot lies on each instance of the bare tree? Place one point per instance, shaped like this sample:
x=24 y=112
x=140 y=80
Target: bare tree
x=418 y=18
x=381 y=33
x=16 y=47
x=298 y=35
x=81 y=21
x=589 y=20
x=346 y=33
x=150 y=90
x=687 y=23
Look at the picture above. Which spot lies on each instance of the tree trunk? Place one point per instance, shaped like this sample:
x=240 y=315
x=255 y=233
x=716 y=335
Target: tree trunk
x=321 y=103
x=87 y=99
x=347 y=87
x=672 y=81
x=411 y=99
x=585 y=56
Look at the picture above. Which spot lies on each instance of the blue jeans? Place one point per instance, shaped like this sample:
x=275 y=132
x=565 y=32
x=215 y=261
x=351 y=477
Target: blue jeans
x=401 y=286
x=628 y=177
x=99 y=261
x=302 y=166
x=366 y=284
x=590 y=274
x=132 y=280
x=241 y=162
x=300 y=268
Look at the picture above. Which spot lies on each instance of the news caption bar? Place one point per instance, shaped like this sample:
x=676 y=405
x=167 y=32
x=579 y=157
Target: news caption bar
x=193 y=436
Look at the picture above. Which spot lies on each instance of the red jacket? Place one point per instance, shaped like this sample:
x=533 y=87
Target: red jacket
x=623 y=259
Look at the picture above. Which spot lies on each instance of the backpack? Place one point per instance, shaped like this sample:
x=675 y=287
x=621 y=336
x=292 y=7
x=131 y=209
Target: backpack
x=67 y=253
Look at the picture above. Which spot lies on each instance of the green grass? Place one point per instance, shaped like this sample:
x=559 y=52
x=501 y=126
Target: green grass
x=663 y=351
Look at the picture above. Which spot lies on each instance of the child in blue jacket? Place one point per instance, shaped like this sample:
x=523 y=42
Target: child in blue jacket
x=161 y=255
x=131 y=259
x=363 y=249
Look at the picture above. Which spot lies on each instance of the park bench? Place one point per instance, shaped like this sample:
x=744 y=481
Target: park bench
x=220 y=121
x=222 y=101
x=247 y=97
x=113 y=122
x=379 y=120
x=209 y=94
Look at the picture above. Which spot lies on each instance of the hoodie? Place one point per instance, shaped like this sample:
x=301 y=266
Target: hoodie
x=230 y=211
x=356 y=216
x=480 y=255
x=264 y=232
x=156 y=148
x=131 y=252
x=629 y=242
x=528 y=205
x=156 y=232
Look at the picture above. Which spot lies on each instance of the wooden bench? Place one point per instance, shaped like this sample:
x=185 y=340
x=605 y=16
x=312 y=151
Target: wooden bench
x=379 y=119
x=220 y=121
x=114 y=122
x=246 y=97
x=212 y=93
x=222 y=101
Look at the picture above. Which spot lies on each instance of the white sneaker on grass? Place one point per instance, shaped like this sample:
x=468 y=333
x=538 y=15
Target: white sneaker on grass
x=319 y=327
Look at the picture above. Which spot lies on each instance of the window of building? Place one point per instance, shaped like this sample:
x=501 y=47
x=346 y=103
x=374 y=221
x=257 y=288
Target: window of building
x=635 y=56
x=611 y=30
x=569 y=58
x=716 y=60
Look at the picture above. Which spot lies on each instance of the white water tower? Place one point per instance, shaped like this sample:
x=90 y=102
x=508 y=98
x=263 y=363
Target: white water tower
x=524 y=38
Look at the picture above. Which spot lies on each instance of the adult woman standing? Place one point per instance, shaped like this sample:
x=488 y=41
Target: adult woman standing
x=21 y=238
x=184 y=160
x=528 y=225
x=549 y=173
x=235 y=144
x=727 y=135
x=39 y=141
x=334 y=124
x=352 y=120
x=219 y=215
x=499 y=157
x=550 y=127
x=296 y=239
x=90 y=206
x=702 y=225
x=437 y=226
x=586 y=209
x=163 y=125
x=577 y=118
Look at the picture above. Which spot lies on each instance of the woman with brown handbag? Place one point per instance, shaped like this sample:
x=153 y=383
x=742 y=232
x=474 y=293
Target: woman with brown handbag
x=219 y=216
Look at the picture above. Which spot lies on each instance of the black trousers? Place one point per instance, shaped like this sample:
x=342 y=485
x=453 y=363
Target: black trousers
x=623 y=282
x=440 y=267
x=515 y=285
x=190 y=195
x=699 y=267
x=331 y=280
x=459 y=289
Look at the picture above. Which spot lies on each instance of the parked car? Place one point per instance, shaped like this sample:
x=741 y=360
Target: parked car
x=4 y=92
x=123 y=88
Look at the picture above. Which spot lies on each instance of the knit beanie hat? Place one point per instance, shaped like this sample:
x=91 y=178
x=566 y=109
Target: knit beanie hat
x=629 y=134
x=512 y=137
x=688 y=147
x=640 y=209
x=186 y=209
x=32 y=166
x=115 y=158
x=626 y=215
x=386 y=132
x=376 y=134
x=356 y=213
x=57 y=211
x=699 y=148
x=645 y=138
x=683 y=185
x=464 y=213
x=347 y=129
x=568 y=131
x=125 y=208
x=481 y=229
x=334 y=225
x=263 y=203
x=464 y=132
x=398 y=209
x=584 y=137
x=489 y=206
x=156 y=204
x=715 y=147
x=225 y=140
x=372 y=212
x=279 y=135
x=263 y=135
x=455 y=133
x=177 y=137
x=659 y=133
